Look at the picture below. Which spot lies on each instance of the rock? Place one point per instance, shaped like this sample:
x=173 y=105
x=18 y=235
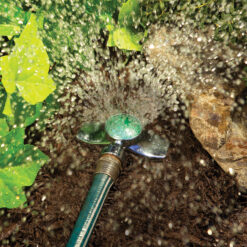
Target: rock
x=225 y=140
x=210 y=120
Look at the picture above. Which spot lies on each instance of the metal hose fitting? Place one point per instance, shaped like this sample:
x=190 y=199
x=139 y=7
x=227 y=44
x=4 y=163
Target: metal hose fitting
x=110 y=165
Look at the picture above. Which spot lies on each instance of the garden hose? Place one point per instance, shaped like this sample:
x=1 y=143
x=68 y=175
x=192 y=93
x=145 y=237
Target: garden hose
x=107 y=170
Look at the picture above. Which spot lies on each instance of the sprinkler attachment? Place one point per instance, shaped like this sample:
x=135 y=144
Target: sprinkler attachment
x=119 y=132
x=123 y=127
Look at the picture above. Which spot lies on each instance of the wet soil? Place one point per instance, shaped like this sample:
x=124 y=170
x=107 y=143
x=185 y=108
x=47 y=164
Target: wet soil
x=183 y=200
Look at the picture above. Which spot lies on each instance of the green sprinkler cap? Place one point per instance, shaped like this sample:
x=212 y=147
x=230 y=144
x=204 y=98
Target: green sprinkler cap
x=123 y=127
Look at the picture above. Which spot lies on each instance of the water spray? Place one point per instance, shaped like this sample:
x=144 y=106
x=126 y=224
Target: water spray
x=120 y=132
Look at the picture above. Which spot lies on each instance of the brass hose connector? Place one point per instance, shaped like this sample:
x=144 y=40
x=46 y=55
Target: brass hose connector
x=110 y=165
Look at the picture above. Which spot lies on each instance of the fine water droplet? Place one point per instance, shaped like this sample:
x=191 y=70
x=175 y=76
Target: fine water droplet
x=210 y=232
x=127 y=232
x=231 y=171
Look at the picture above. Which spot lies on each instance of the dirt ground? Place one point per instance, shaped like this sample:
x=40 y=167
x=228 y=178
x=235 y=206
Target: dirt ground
x=183 y=200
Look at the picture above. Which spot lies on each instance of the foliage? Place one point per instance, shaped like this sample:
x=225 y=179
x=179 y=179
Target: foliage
x=19 y=165
x=124 y=39
x=126 y=35
x=70 y=32
x=12 y=18
x=9 y=30
x=26 y=68
x=24 y=86
x=227 y=16
x=24 y=114
x=10 y=13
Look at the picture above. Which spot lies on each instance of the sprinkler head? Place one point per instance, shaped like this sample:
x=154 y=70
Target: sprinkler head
x=125 y=130
x=123 y=127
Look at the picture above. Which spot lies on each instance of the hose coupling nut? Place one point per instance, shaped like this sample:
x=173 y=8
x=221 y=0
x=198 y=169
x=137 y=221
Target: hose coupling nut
x=110 y=165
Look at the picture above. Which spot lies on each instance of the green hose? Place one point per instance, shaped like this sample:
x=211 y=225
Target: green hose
x=90 y=211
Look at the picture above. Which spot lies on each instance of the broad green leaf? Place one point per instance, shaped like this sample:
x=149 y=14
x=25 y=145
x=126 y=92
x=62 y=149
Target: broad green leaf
x=11 y=144
x=125 y=39
x=32 y=119
x=9 y=30
x=30 y=153
x=36 y=88
x=110 y=28
x=24 y=113
x=128 y=12
x=27 y=66
x=4 y=128
x=110 y=41
x=3 y=97
x=125 y=36
x=8 y=154
x=14 y=137
x=9 y=65
x=28 y=161
x=10 y=199
x=19 y=165
x=7 y=107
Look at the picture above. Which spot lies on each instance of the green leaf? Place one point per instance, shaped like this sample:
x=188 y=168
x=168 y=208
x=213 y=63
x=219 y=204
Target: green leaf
x=28 y=65
x=36 y=88
x=3 y=97
x=19 y=165
x=24 y=114
x=9 y=65
x=11 y=144
x=8 y=154
x=110 y=27
x=110 y=41
x=14 y=137
x=32 y=119
x=1 y=65
x=28 y=161
x=4 y=128
x=9 y=30
x=128 y=12
x=125 y=35
x=7 y=107
x=125 y=39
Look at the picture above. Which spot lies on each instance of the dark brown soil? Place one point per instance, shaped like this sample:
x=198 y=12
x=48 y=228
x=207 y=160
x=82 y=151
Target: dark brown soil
x=184 y=200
